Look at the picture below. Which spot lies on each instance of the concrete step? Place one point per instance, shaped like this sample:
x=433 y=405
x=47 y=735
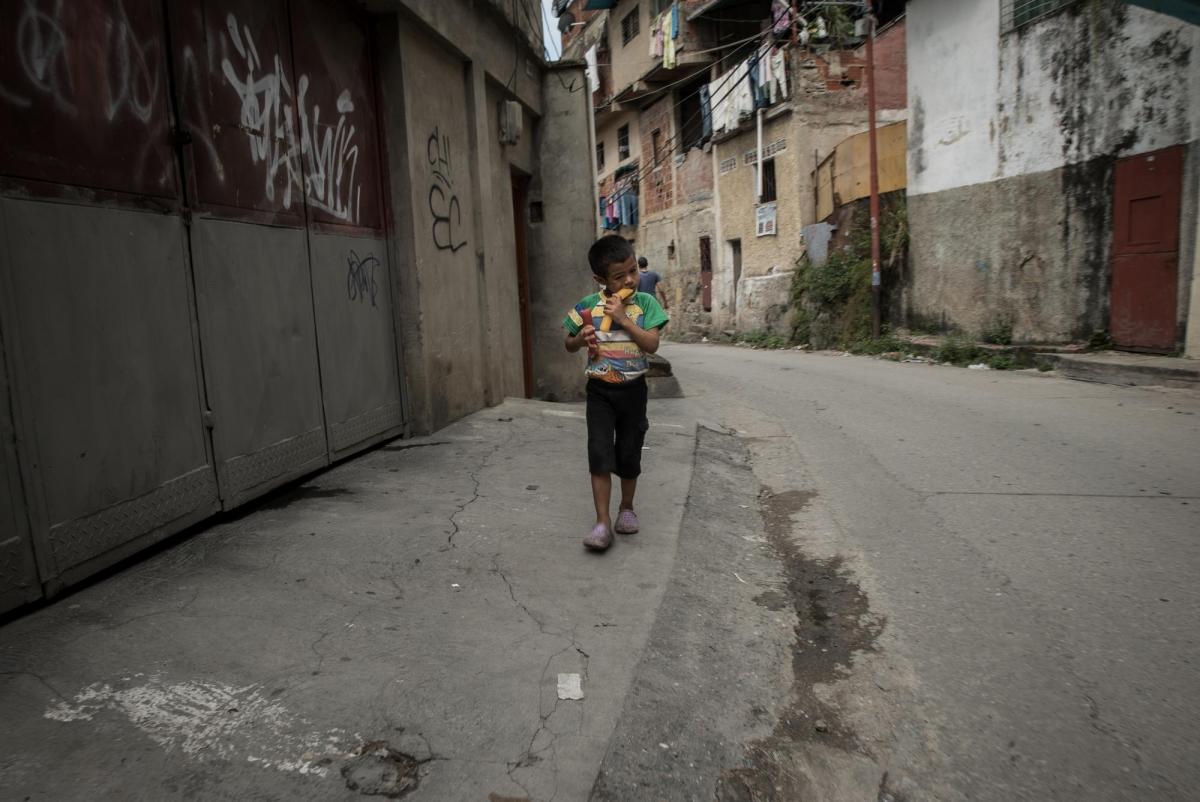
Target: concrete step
x=1118 y=367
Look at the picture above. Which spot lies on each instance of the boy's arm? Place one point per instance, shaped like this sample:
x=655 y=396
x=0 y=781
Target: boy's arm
x=647 y=340
x=585 y=337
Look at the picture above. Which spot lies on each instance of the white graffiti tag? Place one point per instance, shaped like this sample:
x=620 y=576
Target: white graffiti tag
x=42 y=49
x=266 y=113
x=322 y=160
x=330 y=161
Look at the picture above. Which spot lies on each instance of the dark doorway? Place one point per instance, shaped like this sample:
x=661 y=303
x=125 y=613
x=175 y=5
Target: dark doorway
x=1145 y=260
x=706 y=273
x=520 y=193
x=735 y=261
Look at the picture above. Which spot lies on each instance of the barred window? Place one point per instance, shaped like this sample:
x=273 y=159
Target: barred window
x=728 y=164
x=1016 y=13
x=623 y=142
x=630 y=26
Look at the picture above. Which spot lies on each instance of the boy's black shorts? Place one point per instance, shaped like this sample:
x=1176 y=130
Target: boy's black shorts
x=616 y=422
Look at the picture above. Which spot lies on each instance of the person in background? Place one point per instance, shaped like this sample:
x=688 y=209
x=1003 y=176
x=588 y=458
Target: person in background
x=648 y=282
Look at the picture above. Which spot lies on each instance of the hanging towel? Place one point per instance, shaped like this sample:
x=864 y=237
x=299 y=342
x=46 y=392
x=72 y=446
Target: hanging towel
x=782 y=16
x=779 y=70
x=669 y=53
x=653 y=37
x=706 y=120
x=675 y=20
x=593 y=71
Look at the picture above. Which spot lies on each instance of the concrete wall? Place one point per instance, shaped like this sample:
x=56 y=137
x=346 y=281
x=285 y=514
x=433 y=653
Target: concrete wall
x=1035 y=117
x=559 y=272
x=631 y=61
x=606 y=132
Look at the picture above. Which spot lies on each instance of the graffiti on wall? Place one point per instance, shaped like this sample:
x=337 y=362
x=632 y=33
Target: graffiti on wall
x=360 y=277
x=267 y=128
x=443 y=202
x=115 y=79
x=321 y=158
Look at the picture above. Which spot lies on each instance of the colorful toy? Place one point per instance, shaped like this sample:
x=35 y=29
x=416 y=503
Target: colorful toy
x=586 y=314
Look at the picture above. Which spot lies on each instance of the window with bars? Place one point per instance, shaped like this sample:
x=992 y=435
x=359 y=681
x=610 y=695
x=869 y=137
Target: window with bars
x=656 y=146
x=1017 y=13
x=623 y=143
x=768 y=181
x=600 y=157
x=630 y=26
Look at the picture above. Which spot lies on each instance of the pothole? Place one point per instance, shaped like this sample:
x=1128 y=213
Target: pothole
x=379 y=770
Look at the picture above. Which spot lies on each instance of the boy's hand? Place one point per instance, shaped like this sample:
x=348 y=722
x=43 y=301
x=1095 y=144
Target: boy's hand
x=588 y=333
x=614 y=307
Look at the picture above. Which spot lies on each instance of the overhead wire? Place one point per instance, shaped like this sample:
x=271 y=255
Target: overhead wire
x=646 y=170
x=665 y=87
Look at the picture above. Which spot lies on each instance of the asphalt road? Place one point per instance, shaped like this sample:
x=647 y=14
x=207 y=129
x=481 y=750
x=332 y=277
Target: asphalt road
x=1028 y=548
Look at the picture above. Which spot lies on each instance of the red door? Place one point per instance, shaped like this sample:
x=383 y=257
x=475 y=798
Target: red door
x=706 y=273
x=1145 y=276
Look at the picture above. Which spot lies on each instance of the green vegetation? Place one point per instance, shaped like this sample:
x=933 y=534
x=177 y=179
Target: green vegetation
x=763 y=339
x=831 y=303
x=998 y=332
x=957 y=349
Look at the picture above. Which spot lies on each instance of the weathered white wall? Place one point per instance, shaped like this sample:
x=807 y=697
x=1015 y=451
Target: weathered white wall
x=607 y=133
x=1097 y=78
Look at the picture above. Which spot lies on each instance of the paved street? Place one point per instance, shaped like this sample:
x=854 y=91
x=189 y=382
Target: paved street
x=1029 y=546
x=856 y=580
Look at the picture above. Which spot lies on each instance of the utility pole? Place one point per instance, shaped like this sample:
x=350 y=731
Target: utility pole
x=876 y=279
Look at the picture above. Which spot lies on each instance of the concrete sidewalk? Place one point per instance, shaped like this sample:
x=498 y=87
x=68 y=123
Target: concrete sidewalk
x=1125 y=368
x=404 y=617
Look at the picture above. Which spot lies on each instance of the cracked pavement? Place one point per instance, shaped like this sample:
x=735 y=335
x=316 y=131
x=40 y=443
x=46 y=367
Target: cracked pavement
x=856 y=580
x=426 y=594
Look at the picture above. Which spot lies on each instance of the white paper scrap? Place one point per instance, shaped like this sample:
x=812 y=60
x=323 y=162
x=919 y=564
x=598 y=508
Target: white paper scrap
x=570 y=686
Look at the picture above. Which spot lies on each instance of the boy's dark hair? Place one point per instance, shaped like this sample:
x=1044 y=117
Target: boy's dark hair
x=642 y=262
x=608 y=250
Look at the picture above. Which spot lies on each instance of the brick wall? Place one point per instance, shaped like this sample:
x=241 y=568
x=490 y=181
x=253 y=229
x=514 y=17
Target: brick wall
x=891 y=67
x=695 y=176
x=658 y=186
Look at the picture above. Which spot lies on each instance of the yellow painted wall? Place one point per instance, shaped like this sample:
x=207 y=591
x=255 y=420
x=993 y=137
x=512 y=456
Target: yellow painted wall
x=845 y=175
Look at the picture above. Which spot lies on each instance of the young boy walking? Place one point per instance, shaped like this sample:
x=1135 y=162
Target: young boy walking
x=618 y=326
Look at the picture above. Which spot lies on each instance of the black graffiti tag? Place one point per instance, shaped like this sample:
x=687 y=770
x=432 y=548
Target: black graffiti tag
x=443 y=203
x=360 y=277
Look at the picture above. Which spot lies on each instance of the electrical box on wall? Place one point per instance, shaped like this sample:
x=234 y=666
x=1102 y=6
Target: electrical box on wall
x=511 y=122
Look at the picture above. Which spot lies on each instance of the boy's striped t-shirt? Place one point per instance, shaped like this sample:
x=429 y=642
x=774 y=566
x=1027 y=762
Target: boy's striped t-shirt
x=620 y=359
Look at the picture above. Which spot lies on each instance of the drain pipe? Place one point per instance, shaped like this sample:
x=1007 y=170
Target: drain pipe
x=874 y=158
x=758 y=173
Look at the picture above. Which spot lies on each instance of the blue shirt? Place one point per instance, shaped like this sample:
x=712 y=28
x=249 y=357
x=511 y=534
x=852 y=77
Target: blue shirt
x=648 y=282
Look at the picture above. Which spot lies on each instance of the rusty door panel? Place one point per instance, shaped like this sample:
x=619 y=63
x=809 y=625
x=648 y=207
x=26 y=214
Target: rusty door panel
x=83 y=95
x=1145 y=269
x=104 y=364
x=237 y=98
x=1144 y=297
x=352 y=296
x=255 y=308
x=338 y=125
x=18 y=569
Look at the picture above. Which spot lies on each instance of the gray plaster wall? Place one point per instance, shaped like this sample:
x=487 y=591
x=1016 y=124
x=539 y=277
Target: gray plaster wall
x=503 y=163
x=682 y=227
x=564 y=186
x=442 y=303
x=1012 y=141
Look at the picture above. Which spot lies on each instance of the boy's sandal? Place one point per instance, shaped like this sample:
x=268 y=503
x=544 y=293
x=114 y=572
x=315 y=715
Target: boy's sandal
x=600 y=538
